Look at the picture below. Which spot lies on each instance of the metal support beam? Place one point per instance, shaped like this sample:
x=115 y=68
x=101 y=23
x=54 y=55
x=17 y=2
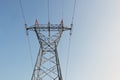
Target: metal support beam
x=47 y=65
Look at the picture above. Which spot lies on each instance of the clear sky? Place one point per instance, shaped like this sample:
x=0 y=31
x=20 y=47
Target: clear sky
x=95 y=42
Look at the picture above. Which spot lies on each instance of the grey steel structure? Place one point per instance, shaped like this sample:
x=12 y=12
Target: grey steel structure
x=47 y=66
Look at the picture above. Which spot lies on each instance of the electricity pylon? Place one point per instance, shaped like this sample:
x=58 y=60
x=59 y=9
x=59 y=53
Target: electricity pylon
x=47 y=66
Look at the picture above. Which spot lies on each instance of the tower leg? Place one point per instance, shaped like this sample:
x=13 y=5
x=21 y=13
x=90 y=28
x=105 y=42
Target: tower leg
x=47 y=65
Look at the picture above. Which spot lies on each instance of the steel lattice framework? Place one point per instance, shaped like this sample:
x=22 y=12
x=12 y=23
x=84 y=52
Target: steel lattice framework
x=47 y=66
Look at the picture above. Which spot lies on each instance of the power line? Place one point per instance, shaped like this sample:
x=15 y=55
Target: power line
x=48 y=11
x=23 y=16
x=30 y=51
x=62 y=9
x=22 y=11
x=68 y=56
x=73 y=12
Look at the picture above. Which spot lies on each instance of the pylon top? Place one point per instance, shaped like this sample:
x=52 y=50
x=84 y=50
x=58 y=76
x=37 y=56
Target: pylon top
x=45 y=27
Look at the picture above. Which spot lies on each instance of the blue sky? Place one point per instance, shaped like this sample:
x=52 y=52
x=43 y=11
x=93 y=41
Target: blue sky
x=95 y=42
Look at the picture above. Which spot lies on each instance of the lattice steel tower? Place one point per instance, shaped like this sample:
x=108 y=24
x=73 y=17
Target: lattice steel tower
x=47 y=66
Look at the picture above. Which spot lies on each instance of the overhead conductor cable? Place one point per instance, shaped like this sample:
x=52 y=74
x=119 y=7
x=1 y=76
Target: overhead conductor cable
x=29 y=45
x=70 y=39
